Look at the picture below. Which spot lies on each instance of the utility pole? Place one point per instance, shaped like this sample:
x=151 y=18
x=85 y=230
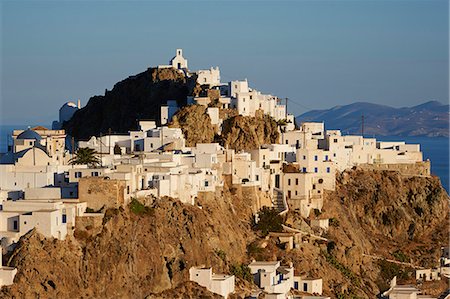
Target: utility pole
x=101 y=150
x=362 y=125
x=109 y=141
x=287 y=106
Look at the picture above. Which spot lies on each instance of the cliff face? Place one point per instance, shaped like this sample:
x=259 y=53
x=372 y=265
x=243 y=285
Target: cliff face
x=377 y=214
x=195 y=123
x=136 y=255
x=247 y=133
x=137 y=97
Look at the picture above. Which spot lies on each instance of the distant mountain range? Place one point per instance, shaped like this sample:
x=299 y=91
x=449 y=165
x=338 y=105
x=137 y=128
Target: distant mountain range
x=428 y=119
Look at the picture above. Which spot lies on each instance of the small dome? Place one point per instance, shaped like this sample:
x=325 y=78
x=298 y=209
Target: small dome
x=29 y=134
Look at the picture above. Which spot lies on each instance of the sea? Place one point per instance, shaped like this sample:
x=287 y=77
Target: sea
x=434 y=148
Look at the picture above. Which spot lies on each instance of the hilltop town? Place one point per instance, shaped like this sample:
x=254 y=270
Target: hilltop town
x=227 y=161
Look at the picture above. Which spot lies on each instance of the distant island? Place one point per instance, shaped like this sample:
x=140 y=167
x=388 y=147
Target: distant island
x=429 y=119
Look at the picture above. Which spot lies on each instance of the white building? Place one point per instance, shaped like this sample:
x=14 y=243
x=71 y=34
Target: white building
x=308 y=285
x=177 y=62
x=209 y=77
x=220 y=284
x=272 y=277
x=7 y=274
x=65 y=114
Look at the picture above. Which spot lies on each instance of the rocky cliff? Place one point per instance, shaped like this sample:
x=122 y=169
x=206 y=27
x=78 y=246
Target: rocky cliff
x=137 y=97
x=195 y=123
x=247 y=133
x=377 y=215
x=147 y=251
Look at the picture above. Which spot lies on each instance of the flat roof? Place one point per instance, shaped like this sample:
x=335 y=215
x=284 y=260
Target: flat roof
x=271 y=263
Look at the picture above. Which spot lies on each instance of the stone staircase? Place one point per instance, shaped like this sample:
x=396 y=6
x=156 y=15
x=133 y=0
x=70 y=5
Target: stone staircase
x=277 y=200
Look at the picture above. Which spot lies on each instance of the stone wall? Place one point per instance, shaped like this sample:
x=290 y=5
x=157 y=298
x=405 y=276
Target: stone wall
x=413 y=169
x=99 y=192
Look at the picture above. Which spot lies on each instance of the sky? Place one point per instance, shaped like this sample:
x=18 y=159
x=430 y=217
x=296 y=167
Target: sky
x=319 y=54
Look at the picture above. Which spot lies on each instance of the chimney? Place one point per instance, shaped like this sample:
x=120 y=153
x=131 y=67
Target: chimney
x=79 y=104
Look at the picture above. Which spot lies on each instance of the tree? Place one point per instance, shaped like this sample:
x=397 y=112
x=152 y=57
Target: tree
x=85 y=156
x=269 y=221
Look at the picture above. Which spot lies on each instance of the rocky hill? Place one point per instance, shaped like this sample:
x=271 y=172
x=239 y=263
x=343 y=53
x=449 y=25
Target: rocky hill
x=195 y=123
x=137 y=97
x=429 y=119
x=247 y=133
x=147 y=251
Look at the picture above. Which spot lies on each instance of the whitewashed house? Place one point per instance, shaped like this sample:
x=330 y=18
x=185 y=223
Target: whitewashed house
x=220 y=284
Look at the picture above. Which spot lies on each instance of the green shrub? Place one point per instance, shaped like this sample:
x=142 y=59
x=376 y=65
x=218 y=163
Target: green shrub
x=222 y=254
x=269 y=221
x=344 y=270
x=401 y=256
x=242 y=271
x=334 y=222
x=138 y=208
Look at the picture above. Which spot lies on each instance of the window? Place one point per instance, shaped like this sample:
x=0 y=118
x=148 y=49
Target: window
x=328 y=169
x=316 y=170
x=78 y=174
x=326 y=157
x=257 y=177
x=296 y=285
x=206 y=183
x=304 y=157
x=316 y=158
x=289 y=182
x=335 y=140
x=287 y=142
x=305 y=287
x=15 y=225
x=334 y=155
x=296 y=181
x=304 y=169
x=64 y=218
x=94 y=173
x=128 y=189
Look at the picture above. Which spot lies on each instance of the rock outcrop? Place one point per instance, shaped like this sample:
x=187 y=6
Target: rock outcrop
x=195 y=123
x=247 y=133
x=137 y=97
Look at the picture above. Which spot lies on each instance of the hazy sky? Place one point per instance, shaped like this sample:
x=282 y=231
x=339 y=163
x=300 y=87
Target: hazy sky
x=317 y=53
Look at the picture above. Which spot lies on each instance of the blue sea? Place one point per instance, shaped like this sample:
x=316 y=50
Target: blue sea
x=436 y=149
